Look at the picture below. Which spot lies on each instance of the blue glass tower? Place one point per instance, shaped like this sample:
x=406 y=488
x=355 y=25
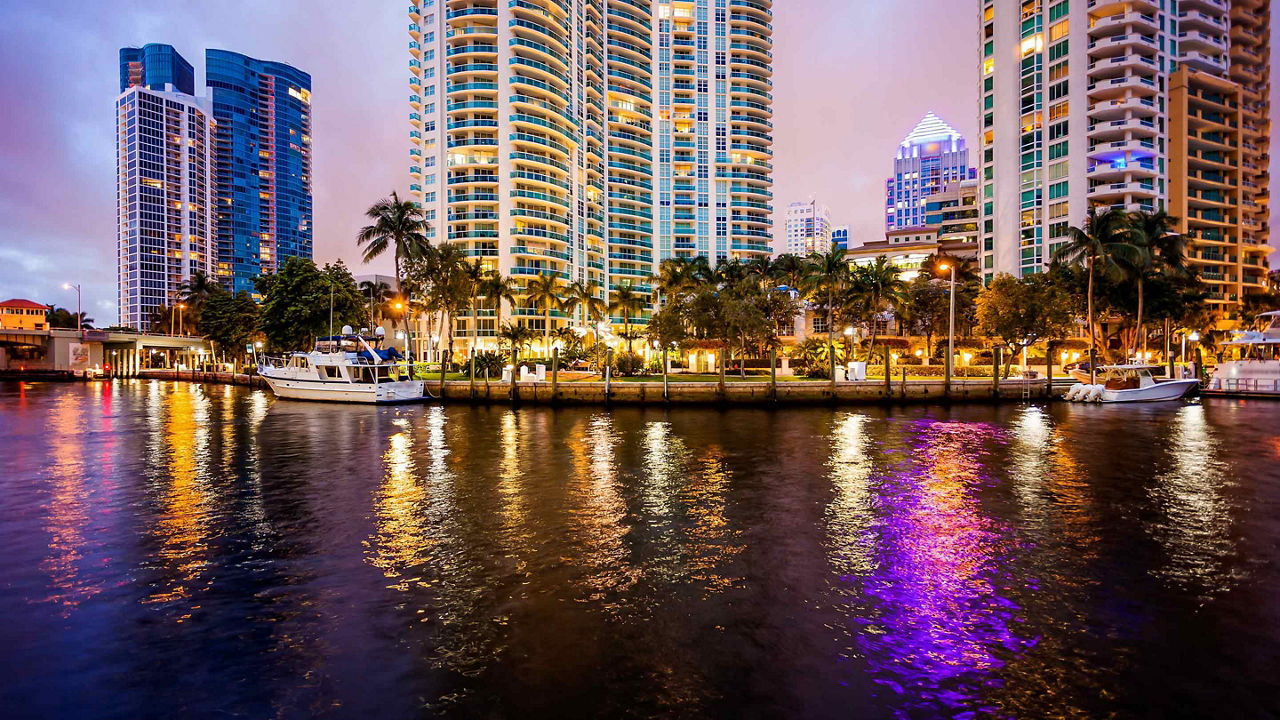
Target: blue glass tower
x=263 y=138
x=153 y=66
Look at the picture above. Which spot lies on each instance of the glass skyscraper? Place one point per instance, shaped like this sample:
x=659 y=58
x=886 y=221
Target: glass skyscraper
x=263 y=152
x=153 y=66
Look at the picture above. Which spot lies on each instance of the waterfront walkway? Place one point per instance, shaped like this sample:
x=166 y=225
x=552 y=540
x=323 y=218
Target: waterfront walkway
x=734 y=392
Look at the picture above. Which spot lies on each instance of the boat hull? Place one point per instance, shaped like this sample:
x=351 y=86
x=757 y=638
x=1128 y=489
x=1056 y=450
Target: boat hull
x=1159 y=392
x=342 y=392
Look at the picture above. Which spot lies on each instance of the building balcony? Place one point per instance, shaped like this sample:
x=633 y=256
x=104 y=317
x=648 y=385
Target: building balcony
x=1201 y=41
x=1129 y=22
x=1197 y=60
x=1112 y=130
x=1122 y=108
x=1106 y=47
x=1128 y=86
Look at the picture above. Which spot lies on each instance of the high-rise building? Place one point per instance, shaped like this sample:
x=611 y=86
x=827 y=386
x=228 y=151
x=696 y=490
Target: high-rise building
x=808 y=227
x=840 y=236
x=1078 y=108
x=589 y=139
x=714 y=135
x=164 y=182
x=931 y=156
x=263 y=112
x=154 y=66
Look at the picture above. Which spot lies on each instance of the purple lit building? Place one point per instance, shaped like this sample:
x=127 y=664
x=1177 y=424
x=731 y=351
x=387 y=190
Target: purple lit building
x=929 y=158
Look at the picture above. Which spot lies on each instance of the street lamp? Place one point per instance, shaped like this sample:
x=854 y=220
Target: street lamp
x=79 y=314
x=951 y=324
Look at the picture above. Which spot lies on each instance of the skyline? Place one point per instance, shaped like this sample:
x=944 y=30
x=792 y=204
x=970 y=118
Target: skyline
x=837 y=146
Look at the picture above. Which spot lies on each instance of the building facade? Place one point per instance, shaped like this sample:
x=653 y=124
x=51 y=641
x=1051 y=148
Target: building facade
x=263 y=155
x=164 y=190
x=840 y=236
x=808 y=228
x=154 y=66
x=589 y=139
x=20 y=314
x=1078 y=108
x=954 y=213
x=930 y=157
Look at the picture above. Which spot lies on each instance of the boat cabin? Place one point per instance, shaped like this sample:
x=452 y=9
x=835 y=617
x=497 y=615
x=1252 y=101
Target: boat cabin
x=1128 y=377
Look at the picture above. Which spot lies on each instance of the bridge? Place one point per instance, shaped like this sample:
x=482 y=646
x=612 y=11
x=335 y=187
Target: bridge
x=68 y=351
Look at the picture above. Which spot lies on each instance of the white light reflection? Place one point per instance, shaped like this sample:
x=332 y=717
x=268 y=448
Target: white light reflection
x=849 y=516
x=1195 y=527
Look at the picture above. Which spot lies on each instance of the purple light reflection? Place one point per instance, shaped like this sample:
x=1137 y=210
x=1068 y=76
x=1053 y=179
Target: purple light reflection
x=939 y=624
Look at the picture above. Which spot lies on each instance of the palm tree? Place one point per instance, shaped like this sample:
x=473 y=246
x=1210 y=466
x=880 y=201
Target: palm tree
x=581 y=295
x=543 y=292
x=495 y=288
x=1164 y=250
x=1094 y=244
x=515 y=336
x=827 y=277
x=761 y=267
x=399 y=226
x=627 y=302
x=473 y=275
x=789 y=270
x=883 y=284
x=378 y=293
x=196 y=289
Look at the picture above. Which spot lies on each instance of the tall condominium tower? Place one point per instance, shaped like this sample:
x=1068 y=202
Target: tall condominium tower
x=714 y=69
x=808 y=228
x=1081 y=105
x=164 y=182
x=537 y=127
x=929 y=158
x=263 y=113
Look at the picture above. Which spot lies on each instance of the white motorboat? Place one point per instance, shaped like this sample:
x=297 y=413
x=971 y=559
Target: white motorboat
x=1256 y=370
x=1131 y=383
x=346 y=368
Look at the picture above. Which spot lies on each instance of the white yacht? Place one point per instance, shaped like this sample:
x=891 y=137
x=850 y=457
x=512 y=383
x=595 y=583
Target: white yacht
x=347 y=368
x=1130 y=383
x=1256 y=370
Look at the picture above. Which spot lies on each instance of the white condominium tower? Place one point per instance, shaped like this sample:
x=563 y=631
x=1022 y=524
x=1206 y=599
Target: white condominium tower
x=808 y=228
x=589 y=139
x=165 y=222
x=1074 y=111
x=714 y=68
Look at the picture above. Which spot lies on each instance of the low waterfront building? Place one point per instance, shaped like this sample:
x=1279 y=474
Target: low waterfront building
x=19 y=314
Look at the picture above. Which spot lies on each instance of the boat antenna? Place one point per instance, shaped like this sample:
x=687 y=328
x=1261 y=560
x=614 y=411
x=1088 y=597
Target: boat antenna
x=331 y=310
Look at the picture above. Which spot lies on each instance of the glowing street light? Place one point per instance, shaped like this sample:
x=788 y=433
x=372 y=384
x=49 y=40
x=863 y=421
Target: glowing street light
x=951 y=323
x=79 y=314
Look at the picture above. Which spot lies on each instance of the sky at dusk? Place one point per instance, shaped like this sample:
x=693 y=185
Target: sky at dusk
x=852 y=77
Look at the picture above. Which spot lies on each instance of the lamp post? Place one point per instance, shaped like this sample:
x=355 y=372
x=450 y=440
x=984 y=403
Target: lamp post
x=951 y=325
x=848 y=352
x=79 y=314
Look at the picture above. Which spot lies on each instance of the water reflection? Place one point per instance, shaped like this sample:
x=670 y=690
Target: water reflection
x=67 y=510
x=942 y=622
x=177 y=468
x=977 y=561
x=1194 y=523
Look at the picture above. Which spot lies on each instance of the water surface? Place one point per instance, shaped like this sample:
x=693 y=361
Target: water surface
x=177 y=550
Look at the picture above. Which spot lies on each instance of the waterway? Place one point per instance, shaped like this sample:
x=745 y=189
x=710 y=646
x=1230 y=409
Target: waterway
x=181 y=550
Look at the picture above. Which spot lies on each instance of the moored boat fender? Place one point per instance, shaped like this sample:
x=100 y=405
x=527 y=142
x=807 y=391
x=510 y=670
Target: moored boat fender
x=1074 y=392
x=1095 y=393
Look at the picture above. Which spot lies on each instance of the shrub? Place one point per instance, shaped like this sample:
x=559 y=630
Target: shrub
x=628 y=364
x=492 y=361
